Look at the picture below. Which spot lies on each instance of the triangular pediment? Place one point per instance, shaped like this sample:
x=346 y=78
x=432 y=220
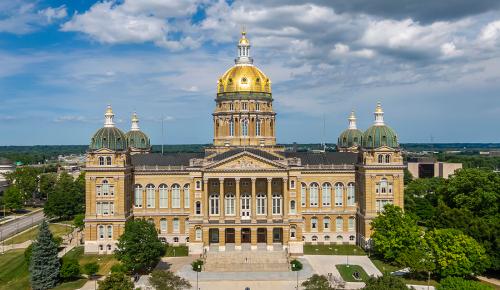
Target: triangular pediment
x=245 y=161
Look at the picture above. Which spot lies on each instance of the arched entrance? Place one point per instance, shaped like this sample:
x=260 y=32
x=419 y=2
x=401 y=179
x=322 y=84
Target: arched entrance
x=262 y=235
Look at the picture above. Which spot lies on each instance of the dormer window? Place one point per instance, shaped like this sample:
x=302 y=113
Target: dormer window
x=244 y=106
x=108 y=160
x=244 y=80
x=101 y=161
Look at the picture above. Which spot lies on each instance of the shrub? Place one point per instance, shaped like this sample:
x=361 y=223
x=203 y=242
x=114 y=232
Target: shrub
x=91 y=268
x=197 y=265
x=296 y=265
x=452 y=283
x=69 y=269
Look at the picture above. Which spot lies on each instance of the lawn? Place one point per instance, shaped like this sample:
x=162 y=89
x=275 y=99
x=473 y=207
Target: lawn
x=77 y=284
x=177 y=251
x=384 y=266
x=333 y=250
x=57 y=230
x=347 y=271
x=105 y=261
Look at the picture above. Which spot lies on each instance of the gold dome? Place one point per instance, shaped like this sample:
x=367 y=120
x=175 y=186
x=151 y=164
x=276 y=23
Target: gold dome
x=244 y=78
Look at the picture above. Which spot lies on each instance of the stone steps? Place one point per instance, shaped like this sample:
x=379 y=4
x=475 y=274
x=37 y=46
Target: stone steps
x=255 y=261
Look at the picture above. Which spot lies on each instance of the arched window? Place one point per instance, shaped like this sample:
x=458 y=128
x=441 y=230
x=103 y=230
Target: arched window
x=101 y=161
x=198 y=208
x=261 y=203
x=339 y=192
x=186 y=196
x=340 y=238
x=108 y=160
x=293 y=207
x=387 y=158
x=231 y=126
x=303 y=189
x=383 y=186
x=327 y=238
x=313 y=194
x=339 y=225
x=163 y=192
x=293 y=232
x=244 y=127
x=326 y=195
x=326 y=224
x=105 y=187
x=214 y=204
x=163 y=225
x=351 y=224
x=229 y=202
x=176 y=239
x=150 y=196
x=186 y=226
x=101 y=247
x=257 y=127
x=101 y=232
x=314 y=223
x=381 y=158
x=176 y=196
x=152 y=221
x=138 y=195
x=314 y=238
x=108 y=247
x=175 y=225
x=277 y=203
x=351 y=238
x=198 y=234
x=351 y=193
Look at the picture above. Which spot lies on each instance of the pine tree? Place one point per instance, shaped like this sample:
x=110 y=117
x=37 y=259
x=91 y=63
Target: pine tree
x=44 y=264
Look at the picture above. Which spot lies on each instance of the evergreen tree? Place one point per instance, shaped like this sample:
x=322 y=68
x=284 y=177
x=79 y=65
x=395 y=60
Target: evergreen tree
x=44 y=264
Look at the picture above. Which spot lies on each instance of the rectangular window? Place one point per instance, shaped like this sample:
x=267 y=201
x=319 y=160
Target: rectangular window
x=198 y=185
x=101 y=232
x=257 y=106
x=138 y=197
x=163 y=225
x=176 y=196
x=186 y=196
x=176 y=225
x=303 y=195
x=110 y=232
x=98 y=190
x=198 y=208
x=105 y=208
x=150 y=197
x=98 y=208
x=276 y=204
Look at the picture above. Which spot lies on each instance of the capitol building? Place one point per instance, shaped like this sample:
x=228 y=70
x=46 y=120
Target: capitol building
x=244 y=192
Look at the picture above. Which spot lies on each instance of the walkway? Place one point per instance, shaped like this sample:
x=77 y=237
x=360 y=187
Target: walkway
x=19 y=224
x=326 y=264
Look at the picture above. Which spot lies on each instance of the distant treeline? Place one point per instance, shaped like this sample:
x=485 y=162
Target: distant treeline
x=43 y=153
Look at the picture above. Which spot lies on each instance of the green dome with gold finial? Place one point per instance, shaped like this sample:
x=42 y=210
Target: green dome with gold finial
x=137 y=139
x=352 y=136
x=109 y=136
x=379 y=134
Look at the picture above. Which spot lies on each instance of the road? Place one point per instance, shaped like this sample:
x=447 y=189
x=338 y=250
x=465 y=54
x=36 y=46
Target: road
x=20 y=224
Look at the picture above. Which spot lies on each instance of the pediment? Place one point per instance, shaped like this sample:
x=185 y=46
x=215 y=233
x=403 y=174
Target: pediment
x=103 y=151
x=246 y=161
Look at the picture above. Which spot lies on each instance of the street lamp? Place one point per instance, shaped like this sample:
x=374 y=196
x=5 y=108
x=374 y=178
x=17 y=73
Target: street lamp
x=198 y=269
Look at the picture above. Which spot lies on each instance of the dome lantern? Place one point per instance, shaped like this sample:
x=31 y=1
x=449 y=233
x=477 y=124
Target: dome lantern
x=379 y=134
x=351 y=138
x=137 y=140
x=243 y=50
x=109 y=136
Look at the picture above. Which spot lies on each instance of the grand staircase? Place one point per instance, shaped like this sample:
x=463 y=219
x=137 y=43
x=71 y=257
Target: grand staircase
x=246 y=261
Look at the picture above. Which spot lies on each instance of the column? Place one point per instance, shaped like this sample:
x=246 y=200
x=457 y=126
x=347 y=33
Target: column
x=286 y=204
x=253 y=194
x=237 y=198
x=221 y=197
x=237 y=238
x=205 y=200
x=269 y=198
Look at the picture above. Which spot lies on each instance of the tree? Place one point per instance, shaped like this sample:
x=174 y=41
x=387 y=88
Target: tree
x=296 y=265
x=67 y=200
x=166 y=280
x=196 y=265
x=139 y=247
x=456 y=254
x=26 y=179
x=27 y=254
x=453 y=283
x=90 y=269
x=394 y=232
x=385 y=282
x=419 y=260
x=44 y=264
x=317 y=282
x=116 y=281
x=408 y=177
x=47 y=184
x=78 y=221
x=13 y=198
x=69 y=269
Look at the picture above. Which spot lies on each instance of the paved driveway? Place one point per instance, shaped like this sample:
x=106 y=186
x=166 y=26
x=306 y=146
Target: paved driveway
x=326 y=264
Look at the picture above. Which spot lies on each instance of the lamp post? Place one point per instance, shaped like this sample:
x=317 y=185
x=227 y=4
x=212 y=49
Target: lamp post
x=197 y=271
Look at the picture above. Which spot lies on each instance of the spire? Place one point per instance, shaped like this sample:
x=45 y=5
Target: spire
x=379 y=115
x=244 y=50
x=352 y=121
x=108 y=117
x=135 y=123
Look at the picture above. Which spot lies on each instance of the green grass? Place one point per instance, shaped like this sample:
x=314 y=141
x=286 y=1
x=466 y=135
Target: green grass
x=14 y=271
x=57 y=231
x=347 y=273
x=330 y=250
x=105 y=261
x=179 y=251
x=384 y=266
x=77 y=284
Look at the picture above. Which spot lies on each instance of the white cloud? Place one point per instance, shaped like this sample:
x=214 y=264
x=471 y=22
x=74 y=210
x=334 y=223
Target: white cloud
x=490 y=34
x=450 y=50
x=22 y=17
x=54 y=13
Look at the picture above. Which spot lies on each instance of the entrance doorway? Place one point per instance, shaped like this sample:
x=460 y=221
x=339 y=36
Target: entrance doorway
x=246 y=235
x=277 y=235
x=261 y=235
x=213 y=236
x=230 y=236
x=245 y=206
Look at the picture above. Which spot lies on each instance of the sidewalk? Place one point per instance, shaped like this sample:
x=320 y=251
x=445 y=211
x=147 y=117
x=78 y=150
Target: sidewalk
x=11 y=218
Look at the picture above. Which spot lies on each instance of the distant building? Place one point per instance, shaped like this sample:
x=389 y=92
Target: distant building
x=428 y=168
x=6 y=166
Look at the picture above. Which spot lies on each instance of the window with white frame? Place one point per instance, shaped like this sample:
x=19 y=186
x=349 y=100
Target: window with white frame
x=198 y=185
x=292 y=184
x=105 y=188
x=214 y=204
x=314 y=223
x=175 y=225
x=186 y=226
x=381 y=158
x=138 y=195
x=176 y=196
x=229 y=204
x=351 y=223
x=261 y=204
x=150 y=196
x=163 y=225
x=339 y=225
x=326 y=194
x=293 y=207
x=231 y=127
x=163 y=193
x=244 y=106
x=101 y=232
x=277 y=203
x=380 y=203
x=110 y=232
x=101 y=161
x=351 y=193
x=383 y=186
x=198 y=234
x=339 y=192
x=257 y=127
x=303 y=189
x=257 y=106
x=231 y=106
x=186 y=196
x=293 y=232
x=108 y=160
x=387 y=158
x=244 y=127
x=105 y=208
x=198 y=208
x=313 y=194
x=326 y=224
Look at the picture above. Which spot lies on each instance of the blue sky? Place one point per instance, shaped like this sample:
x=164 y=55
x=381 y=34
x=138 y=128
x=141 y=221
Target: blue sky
x=434 y=65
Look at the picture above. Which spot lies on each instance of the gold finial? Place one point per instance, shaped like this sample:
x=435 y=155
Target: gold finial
x=109 y=110
x=243 y=30
x=379 y=108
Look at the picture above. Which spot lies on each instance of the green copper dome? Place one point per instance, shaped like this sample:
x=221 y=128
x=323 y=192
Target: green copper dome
x=109 y=137
x=138 y=140
x=380 y=135
x=350 y=138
